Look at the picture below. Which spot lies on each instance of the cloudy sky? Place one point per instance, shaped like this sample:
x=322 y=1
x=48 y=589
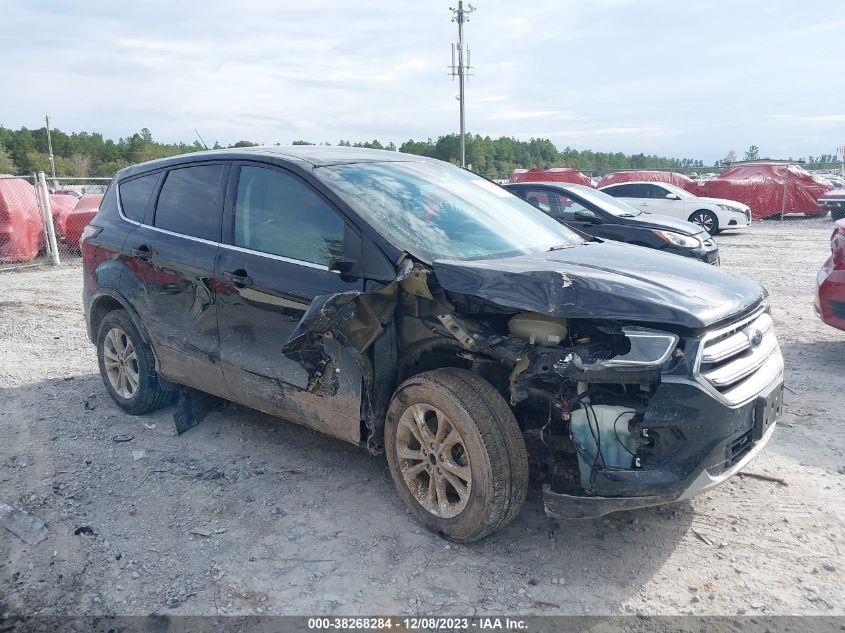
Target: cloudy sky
x=680 y=78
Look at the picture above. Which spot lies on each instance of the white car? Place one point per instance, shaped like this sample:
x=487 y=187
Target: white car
x=712 y=214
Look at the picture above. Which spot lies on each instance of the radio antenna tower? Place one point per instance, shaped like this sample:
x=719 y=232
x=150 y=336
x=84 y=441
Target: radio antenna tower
x=461 y=69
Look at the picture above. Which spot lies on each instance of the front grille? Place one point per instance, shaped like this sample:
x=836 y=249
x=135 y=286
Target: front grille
x=741 y=360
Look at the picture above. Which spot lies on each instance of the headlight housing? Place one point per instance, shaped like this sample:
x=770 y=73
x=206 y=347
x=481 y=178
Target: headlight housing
x=649 y=348
x=678 y=239
x=730 y=209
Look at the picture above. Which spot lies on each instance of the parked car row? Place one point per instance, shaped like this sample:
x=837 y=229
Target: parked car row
x=21 y=224
x=598 y=214
x=416 y=309
x=712 y=214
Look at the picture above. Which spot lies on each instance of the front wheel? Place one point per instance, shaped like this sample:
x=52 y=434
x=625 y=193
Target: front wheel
x=456 y=454
x=837 y=214
x=706 y=220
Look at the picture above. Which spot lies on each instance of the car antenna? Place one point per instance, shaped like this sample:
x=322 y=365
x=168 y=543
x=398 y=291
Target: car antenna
x=200 y=138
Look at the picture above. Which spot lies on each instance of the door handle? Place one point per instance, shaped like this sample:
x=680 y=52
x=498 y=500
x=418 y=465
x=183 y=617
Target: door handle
x=142 y=252
x=238 y=278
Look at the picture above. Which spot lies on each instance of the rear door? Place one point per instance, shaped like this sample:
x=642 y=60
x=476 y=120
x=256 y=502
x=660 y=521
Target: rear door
x=279 y=237
x=170 y=256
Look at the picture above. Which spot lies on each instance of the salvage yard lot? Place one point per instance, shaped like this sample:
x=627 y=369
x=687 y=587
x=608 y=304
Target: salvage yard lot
x=248 y=514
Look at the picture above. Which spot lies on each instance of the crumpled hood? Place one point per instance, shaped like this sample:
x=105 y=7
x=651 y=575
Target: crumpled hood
x=605 y=281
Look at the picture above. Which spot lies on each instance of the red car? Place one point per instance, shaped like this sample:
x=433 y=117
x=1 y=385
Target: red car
x=830 y=282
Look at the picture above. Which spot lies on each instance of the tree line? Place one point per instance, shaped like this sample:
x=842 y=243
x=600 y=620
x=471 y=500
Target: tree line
x=89 y=154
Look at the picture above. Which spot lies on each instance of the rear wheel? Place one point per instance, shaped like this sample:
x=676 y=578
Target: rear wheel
x=127 y=365
x=706 y=220
x=456 y=454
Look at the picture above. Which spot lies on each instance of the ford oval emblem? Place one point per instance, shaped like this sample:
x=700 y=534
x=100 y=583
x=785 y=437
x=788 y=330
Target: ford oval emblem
x=755 y=337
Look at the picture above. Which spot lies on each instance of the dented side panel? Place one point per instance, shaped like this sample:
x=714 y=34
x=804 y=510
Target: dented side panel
x=255 y=323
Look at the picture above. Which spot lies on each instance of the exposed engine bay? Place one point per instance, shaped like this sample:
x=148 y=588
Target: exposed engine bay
x=578 y=387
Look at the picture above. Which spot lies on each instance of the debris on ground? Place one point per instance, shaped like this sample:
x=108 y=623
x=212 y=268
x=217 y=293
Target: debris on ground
x=120 y=439
x=761 y=477
x=702 y=538
x=202 y=531
x=27 y=527
x=192 y=406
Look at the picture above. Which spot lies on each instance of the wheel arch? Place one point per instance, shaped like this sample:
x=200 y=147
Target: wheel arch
x=105 y=300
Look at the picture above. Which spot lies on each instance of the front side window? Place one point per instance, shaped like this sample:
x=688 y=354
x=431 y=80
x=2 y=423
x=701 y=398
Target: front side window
x=434 y=210
x=187 y=201
x=557 y=204
x=279 y=214
x=652 y=191
x=135 y=196
x=605 y=202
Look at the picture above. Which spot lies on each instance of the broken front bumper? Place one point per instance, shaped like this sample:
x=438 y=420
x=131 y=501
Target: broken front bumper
x=712 y=441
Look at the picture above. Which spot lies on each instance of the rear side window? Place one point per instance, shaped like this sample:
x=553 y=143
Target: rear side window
x=622 y=191
x=278 y=213
x=135 y=196
x=187 y=201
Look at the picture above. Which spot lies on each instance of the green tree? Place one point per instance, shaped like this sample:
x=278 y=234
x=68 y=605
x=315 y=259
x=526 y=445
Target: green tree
x=752 y=153
x=7 y=165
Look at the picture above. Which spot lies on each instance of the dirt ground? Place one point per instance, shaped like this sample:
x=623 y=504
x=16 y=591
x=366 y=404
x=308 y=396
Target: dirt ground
x=299 y=523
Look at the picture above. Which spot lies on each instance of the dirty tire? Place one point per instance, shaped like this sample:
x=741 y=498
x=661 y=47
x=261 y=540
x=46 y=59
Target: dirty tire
x=706 y=220
x=148 y=396
x=494 y=447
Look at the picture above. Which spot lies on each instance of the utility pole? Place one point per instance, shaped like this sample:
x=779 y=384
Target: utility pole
x=460 y=69
x=50 y=151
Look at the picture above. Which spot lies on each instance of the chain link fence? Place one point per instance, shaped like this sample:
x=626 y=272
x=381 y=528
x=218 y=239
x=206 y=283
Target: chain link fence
x=41 y=219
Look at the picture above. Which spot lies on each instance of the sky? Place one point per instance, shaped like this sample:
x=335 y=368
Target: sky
x=680 y=78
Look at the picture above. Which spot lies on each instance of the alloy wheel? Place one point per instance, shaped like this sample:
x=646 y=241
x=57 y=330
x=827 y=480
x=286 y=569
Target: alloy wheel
x=433 y=460
x=704 y=220
x=121 y=362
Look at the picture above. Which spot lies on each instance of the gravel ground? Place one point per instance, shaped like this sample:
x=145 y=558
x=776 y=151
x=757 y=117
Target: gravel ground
x=293 y=522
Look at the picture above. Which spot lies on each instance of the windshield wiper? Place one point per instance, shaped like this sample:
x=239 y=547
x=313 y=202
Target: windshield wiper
x=559 y=247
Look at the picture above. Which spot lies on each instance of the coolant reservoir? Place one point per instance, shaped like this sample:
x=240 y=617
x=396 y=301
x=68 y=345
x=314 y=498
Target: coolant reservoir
x=538 y=329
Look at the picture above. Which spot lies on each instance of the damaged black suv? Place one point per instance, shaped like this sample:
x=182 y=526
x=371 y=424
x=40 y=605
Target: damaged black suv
x=416 y=309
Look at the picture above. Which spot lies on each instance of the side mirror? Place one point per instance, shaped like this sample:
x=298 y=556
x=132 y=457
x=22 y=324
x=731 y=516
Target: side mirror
x=343 y=266
x=585 y=215
x=673 y=196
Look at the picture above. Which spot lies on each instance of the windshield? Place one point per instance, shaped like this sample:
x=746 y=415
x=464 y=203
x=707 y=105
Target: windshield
x=682 y=193
x=604 y=201
x=438 y=211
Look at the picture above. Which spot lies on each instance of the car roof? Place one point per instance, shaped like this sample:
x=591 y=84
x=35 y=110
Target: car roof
x=304 y=155
x=638 y=182
x=548 y=183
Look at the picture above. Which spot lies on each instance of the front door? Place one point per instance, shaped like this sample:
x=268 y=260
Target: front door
x=279 y=239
